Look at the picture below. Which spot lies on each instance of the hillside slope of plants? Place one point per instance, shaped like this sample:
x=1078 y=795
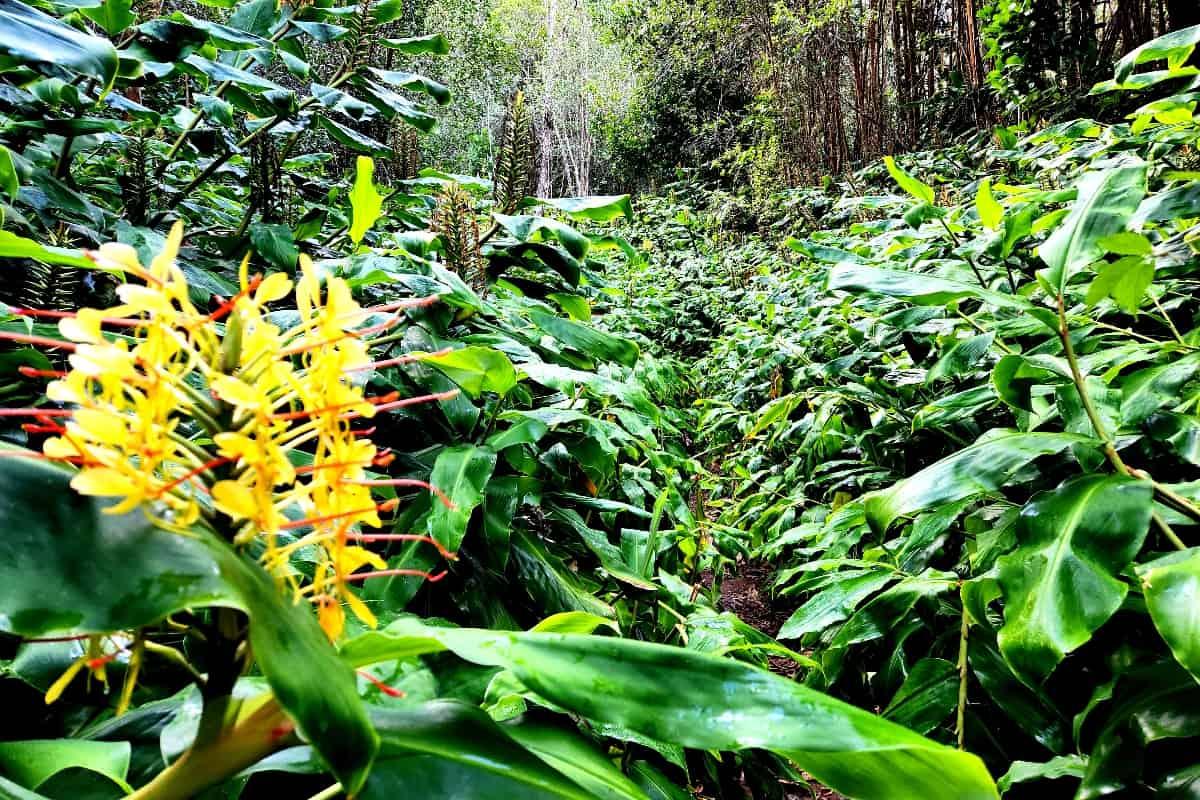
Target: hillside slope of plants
x=955 y=414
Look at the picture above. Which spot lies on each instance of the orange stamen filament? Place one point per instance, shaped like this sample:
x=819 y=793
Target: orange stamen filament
x=406 y=482
x=45 y=341
x=389 y=573
x=408 y=401
x=387 y=505
x=392 y=362
x=449 y=555
x=380 y=685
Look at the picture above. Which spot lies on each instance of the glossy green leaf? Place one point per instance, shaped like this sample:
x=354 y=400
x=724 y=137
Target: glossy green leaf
x=592 y=209
x=834 y=604
x=113 y=16
x=991 y=213
x=1171 y=586
x=1106 y=201
x=366 y=203
x=32 y=763
x=10 y=182
x=700 y=701
x=1125 y=281
x=916 y=288
x=476 y=369
x=461 y=473
x=979 y=468
x=920 y=191
x=13 y=246
x=31 y=38
x=573 y=756
x=1062 y=582
x=586 y=339
x=136 y=574
x=927 y=697
x=274 y=242
x=1025 y=771
x=432 y=44
x=446 y=748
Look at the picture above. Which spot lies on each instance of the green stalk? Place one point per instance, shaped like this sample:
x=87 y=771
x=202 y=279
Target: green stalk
x=208 y=764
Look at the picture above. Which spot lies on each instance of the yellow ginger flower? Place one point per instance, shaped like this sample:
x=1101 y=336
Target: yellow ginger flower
x=150 y=374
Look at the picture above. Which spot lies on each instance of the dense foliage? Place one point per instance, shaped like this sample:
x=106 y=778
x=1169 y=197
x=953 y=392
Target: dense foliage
x=956 y=414
x=327 y=475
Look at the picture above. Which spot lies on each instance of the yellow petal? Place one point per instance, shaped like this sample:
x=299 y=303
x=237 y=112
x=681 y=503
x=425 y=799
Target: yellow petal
x=59 y=686
x=164 y=261
x=115 y=257
x=360 y=609
x=231 y=390
x=331 y=617
x=103 y=482
x=351 y=558
x=83 y=327
x=275 y=286
x=105 y=427
x=234 y=499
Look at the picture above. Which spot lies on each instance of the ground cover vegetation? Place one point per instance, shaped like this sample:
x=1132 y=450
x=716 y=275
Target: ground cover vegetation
x=353 y=447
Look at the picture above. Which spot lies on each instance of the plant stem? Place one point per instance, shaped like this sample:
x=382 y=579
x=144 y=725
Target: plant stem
x=959 y=726
x=1167 y=532
x=1089 y=408
x=328 y=794
x=218 y=92
x=210 y=763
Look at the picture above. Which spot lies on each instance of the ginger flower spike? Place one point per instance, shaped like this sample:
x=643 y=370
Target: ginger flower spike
x=228 y=419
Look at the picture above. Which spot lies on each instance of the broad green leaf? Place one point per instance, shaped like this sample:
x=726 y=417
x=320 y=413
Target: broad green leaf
x=922 y=192
x=1176 y=47
x=1127 y=243
x=366 y=203
x=274 y=242
x=1106 y=201
x=113 y=16
x=476 y=369
x=1180 y=431
x=524 y=228
x=30 y=38
x=925 y=290
x=991 y=213
x=13 y=246
x=1059 y=767
x=136 y=574
x=1125 y=281
x=1015 y=377
x=550 y=581
x=592 y=209
x=432 y=44
x=1063 y=580
x=1149 y=390
x=590 y=341
x=445 y=748
x=928 y=695
x=573 y=622
x=1171 y=586
x=979 y=468
x=834 y=604
x=32 y=763
x=961 y=357
x=247 y=81
x=1027 y=707
x=10 y=182
x=573 y=756
x=700 y=701
x=461 y=472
